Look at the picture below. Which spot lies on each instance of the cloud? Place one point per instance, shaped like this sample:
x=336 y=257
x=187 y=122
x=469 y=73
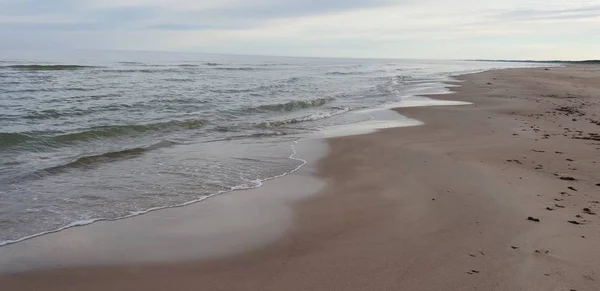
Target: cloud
x=172 y=15
x=192 y=27
x=294 y=8
x=29 y=7
x=536 y=14
x=359 y=28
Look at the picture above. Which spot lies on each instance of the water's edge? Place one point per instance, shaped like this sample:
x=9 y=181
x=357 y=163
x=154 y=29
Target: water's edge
x=369 y=126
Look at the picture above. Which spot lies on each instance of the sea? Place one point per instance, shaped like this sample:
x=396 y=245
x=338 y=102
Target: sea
x=94 y=135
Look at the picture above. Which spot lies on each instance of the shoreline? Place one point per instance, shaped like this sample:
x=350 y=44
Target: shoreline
x=226 y=224
x=400 y=204
x=82 y=223
x=386 y=118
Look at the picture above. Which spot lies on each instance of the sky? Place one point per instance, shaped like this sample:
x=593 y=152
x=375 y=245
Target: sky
x=433 y=29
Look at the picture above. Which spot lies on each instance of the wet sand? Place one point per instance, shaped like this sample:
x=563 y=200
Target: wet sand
x=498 y=195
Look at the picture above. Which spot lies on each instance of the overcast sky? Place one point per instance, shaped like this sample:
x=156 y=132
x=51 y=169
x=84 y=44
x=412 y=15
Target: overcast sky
x=443 y=29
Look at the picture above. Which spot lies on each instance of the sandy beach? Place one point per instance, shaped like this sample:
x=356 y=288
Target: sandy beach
x=498 y=195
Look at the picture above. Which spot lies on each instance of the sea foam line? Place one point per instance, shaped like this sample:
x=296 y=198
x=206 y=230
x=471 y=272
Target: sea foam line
x=257 y=183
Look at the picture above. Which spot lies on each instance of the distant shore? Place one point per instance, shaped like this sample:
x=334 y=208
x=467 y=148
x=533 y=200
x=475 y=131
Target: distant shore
x=582 y=62
x=498 y=195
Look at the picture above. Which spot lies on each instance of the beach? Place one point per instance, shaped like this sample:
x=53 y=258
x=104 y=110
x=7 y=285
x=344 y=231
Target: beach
x=501 y=194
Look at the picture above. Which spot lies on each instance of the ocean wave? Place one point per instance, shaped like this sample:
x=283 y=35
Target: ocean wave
x=272 y=65
x=48 y=67
x=140 y=64
x=237 y=69
x=8 y=139
x=113 y=131
x=312 y=117
x=292 y=105
x=224 y=128
x=276 y=85
x=356 y=73
x=292 y=80
x=32 y=90
x=8 y=83
x=262 y=134
x=124 y=130
x=71 y=112
x=409 y=79
x=89 y=161
x=234 y=91
x=131 y=63
x=213 y=64
x=180 y=100
x=82 y=89
x=43 y=114
x=180 y=80
x=345 y=73
x=144 y=71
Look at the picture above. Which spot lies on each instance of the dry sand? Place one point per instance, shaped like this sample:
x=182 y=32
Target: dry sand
x=443 y=206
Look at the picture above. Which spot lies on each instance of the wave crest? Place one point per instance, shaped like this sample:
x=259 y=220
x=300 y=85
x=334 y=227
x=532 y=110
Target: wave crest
x=123 y=130
x=48 y=67
x=113 y=131
x=89 y=161
x=293 y=105
x=8 y=139
x=237 y=69
x=312 y=117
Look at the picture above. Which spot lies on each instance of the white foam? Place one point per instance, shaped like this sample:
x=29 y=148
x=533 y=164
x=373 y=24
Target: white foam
x=323 y=115
x=312 y=117
x=364 y=127
x=424 y=102
x=382 y=117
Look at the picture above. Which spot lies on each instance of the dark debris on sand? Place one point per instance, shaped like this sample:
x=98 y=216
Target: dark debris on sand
x=588 y=211
x=569 y=110
x=590 y=136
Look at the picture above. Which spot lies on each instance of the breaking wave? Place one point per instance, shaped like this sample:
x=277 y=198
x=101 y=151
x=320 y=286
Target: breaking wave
x=89 y=161
x=113 y=131
x=312 y=117
x=48 y=67
x=293 y=105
